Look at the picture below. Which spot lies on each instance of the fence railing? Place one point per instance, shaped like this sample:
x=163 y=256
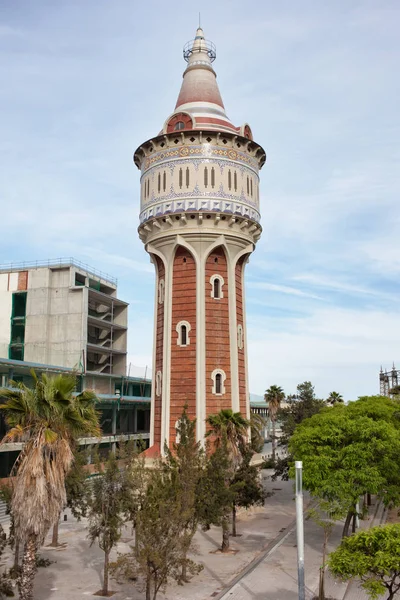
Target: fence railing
x=59 y=262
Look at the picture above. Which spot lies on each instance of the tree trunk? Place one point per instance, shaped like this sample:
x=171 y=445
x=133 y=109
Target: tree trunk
x=184 y=570
x=321 y=595
x=273 y=440
x=369 y=499
x=392 y=593
x=16 y=555
x=148 y=584
x=136 y=540
x=27 y=578
x=234 y=520
x=321 y=590
x=105 y=581
x=54 y=537
x=353 y=527
x=225 y=536
x=345 y=532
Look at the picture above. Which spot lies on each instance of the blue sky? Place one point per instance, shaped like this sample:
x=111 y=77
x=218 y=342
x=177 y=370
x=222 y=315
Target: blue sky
x=84 y=82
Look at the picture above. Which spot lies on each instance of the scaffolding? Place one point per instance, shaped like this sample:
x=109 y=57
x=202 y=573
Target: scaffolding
x=388 y=380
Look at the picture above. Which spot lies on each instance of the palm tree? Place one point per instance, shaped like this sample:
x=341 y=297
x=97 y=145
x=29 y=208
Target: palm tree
x=229 y=430
x=274 y=395
x=334 y=398
x=47 y=418
x=231 y=425
x=257 y=428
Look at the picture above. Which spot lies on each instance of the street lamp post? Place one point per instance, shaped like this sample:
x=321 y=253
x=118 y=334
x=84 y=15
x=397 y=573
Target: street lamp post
x=300 y=528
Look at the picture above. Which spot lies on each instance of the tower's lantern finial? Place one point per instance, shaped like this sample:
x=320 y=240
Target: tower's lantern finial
x=199 y=45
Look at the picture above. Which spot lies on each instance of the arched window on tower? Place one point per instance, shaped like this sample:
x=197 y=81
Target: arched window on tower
x=218 y=383
x=235 y=181
x=217 y=282
x=229 y=179
x=183 y=329
x=179 y=125
x=218 y=378
x=164 y=181
x=187 y=176
x=212 y=177
x=180 y=178
x=205 y=177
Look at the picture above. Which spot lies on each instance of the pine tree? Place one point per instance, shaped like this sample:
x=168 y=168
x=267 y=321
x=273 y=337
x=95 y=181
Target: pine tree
x=217 y=492
x=185 y=463
x=248 y=488
x=106 y=512
x=158 y=552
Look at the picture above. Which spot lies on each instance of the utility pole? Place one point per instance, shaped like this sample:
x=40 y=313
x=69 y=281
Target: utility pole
x=300 y=528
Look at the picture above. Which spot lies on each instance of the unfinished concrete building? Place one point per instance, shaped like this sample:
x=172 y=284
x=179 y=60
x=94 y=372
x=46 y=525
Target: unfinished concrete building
x=65 y=314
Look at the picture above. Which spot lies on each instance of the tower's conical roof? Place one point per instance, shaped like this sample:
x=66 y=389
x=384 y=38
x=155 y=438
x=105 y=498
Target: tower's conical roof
x=199 y=104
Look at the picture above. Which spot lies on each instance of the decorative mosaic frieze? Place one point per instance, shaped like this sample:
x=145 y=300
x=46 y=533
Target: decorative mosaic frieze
x=197 y=193
x=204 y=151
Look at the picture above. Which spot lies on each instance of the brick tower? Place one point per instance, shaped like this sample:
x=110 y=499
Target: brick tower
x=199 y=222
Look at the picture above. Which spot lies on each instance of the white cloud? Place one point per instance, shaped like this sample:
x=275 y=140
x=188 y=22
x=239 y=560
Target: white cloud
x=337 y=349
x=281 y=289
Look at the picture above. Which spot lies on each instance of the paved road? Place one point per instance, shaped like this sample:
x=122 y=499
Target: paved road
x=273 y=576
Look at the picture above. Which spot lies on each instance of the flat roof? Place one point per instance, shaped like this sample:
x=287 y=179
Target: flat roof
x=57 y=263
x=25 y=365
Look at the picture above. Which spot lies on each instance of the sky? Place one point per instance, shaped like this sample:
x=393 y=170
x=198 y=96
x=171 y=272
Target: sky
x=85 y=82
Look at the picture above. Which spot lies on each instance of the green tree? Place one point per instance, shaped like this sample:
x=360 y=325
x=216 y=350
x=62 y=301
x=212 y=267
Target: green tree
x=6 y=493
x=217 y=493
x=274 y=396
x=334 y=398
x=374 y=557
x=185 y=463
x=158 y=555
x=299 y=407
x=325 y=514
x=48 y=418
x=257 y=426
x=106 y=516
x=76 y=485
x=248 y=490
x=6 y=590
x=346 y=453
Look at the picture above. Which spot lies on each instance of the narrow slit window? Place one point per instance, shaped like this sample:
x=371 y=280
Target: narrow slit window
x=159 y=182
x=183 y=335
x=212 y=177
x=251 y=187
x=164 y=181
x=229 y=179
x=217 y=288
x=248 y=186
x=180 y=178
x=235 y=181
x=218 y=383
x=205 y=177
x=187 y=177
